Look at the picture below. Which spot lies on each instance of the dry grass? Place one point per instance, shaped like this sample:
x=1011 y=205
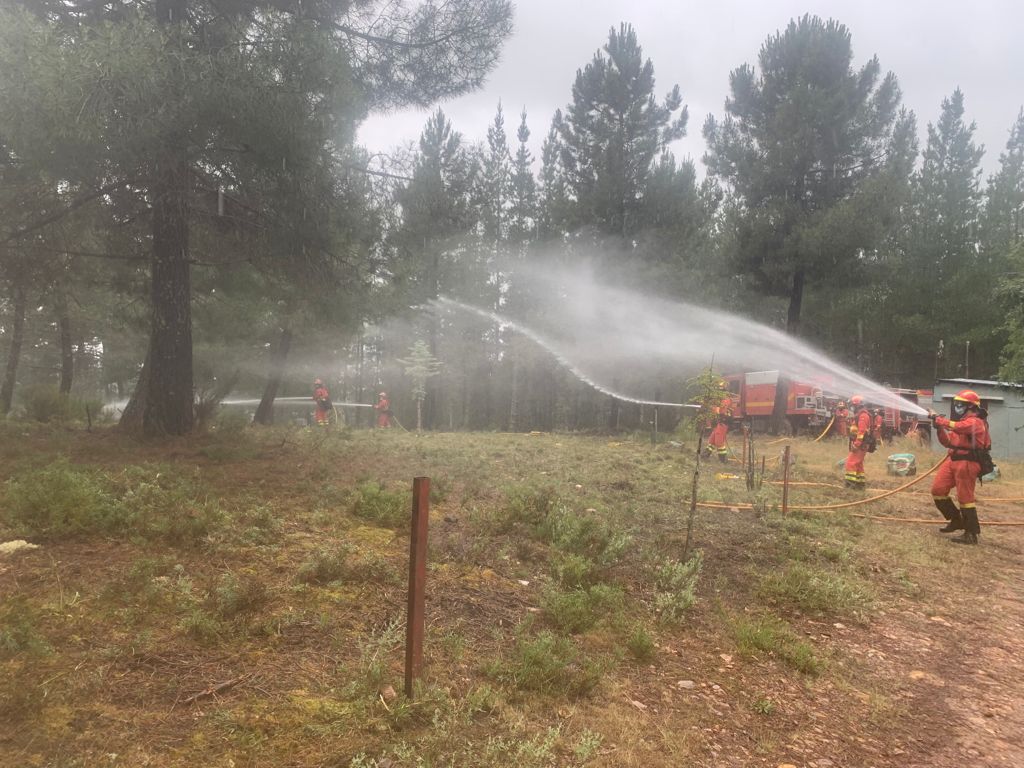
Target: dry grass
x=277 y=558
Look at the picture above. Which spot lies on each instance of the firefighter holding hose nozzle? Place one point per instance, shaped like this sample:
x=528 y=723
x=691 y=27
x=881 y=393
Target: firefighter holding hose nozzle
x=861 y=444
x=966 y=436
x=322 y=398
x=383 y=409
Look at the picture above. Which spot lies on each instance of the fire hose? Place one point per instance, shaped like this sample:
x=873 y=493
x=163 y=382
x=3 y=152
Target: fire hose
x=858 y=502
x=827 y=428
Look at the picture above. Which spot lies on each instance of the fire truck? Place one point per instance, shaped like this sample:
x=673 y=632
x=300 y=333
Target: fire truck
x=896 y=421
x=754 y=398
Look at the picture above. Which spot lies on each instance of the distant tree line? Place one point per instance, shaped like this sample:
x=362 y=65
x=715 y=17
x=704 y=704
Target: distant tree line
x=182 y=203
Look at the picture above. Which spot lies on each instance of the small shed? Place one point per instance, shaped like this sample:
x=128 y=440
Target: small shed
x=1005 y=405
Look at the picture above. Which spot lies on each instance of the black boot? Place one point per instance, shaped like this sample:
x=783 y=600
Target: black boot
x=951 y=513
x=971 y=527
x=723 y=457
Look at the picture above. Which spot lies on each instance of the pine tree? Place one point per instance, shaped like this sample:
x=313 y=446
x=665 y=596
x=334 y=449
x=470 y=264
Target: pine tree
x=1003 y=220
x=613 y=131
x=496 y=181
x=523 y=203
x=799 y=140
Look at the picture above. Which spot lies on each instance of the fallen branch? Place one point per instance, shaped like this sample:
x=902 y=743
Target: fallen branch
x=213 y=690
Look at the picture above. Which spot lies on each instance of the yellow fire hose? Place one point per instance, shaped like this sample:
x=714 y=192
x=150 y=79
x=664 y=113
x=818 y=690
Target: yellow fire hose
x=822 y=507
x=827 y=428
x=1004 y=523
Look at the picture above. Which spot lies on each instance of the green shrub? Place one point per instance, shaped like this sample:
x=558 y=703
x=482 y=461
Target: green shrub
x=675 y=587
x=548 y=664
x=640 y=644
x=387 y=508
x=46 y=403
x=577 y=610
x=60 y=501
x=815 y=592
x=18 y=633
x=324 y=566
x=583 y=534
x=573 y=570
x=167 y=507
x=571 y=611
x=201 y=627
x=237 y=595
x=771 y=635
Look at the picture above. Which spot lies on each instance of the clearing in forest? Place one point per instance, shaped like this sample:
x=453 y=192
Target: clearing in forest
x=238 y=600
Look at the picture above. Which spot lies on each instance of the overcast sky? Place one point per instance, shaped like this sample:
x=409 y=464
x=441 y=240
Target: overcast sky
x=933 y=46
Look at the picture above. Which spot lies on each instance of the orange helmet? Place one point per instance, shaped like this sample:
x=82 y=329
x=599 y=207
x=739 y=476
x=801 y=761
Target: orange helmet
x=968 y=396
x=318 y=382
x=856 y=400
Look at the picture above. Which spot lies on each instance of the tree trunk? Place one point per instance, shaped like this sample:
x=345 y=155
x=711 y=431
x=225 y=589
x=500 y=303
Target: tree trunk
x=131 y=416
x=796 y=300
x=513 y=407
x=67 y=357
x=14 y=352
x=265 y=411
x=419 y=415
x=169 y=406
x=780 y=425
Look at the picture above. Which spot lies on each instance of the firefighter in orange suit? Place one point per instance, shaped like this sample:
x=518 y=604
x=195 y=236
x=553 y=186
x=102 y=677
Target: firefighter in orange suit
x=842 y=425
x=720 y=429
x=383 y=409
x=876 y=425
x=967 y=437
x=322 y=398
x=860 y=439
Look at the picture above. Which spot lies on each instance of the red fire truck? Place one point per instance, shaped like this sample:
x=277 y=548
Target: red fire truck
x=900 y=421
x=754 y=396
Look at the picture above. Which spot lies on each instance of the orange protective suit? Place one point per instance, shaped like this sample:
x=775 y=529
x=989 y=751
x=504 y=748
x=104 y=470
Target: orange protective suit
x=855 y=459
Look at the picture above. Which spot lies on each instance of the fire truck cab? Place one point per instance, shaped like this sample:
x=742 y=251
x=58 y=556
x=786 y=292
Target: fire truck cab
x=754 y=394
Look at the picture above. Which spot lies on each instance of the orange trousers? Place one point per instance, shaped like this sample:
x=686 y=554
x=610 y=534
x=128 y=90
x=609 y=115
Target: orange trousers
x=962 y=475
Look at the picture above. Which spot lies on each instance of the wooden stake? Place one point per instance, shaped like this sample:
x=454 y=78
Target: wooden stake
x=693 y=500
x=417 y=582
x=785 y=480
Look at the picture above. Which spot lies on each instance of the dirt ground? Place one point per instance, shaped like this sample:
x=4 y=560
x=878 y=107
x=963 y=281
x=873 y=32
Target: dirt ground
x=915 y=642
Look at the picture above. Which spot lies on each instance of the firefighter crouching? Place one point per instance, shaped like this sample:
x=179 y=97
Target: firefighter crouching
x=861 y=444
x=967 y=437
x=322 y=398
x=720 y=429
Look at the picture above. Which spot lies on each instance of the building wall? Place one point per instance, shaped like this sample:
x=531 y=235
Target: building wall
x=1005 y=415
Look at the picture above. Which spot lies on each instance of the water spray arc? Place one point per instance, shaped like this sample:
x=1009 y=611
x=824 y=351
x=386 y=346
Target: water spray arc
x=598 y=332
x=452 y=304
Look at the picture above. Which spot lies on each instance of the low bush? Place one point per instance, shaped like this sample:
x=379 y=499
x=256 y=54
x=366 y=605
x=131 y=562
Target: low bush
x=814 y=592
x=771 y=635
x=61 y=501
x=640 y=644
x=238 y=595
x=390 y=509
x=324 y=566
x=547 y=664
x=675 y=585
x=577 y=610
x=18 y=633
x=46 y=403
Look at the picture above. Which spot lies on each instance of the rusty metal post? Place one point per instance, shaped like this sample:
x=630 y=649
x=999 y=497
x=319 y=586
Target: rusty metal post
x=417 y=582
x=785 y=480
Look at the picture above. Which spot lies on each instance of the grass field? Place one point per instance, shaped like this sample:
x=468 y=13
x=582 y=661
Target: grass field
x=238 y=599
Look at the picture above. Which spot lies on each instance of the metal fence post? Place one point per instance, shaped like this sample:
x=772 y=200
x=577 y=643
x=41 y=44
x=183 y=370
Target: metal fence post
x=417 y=582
